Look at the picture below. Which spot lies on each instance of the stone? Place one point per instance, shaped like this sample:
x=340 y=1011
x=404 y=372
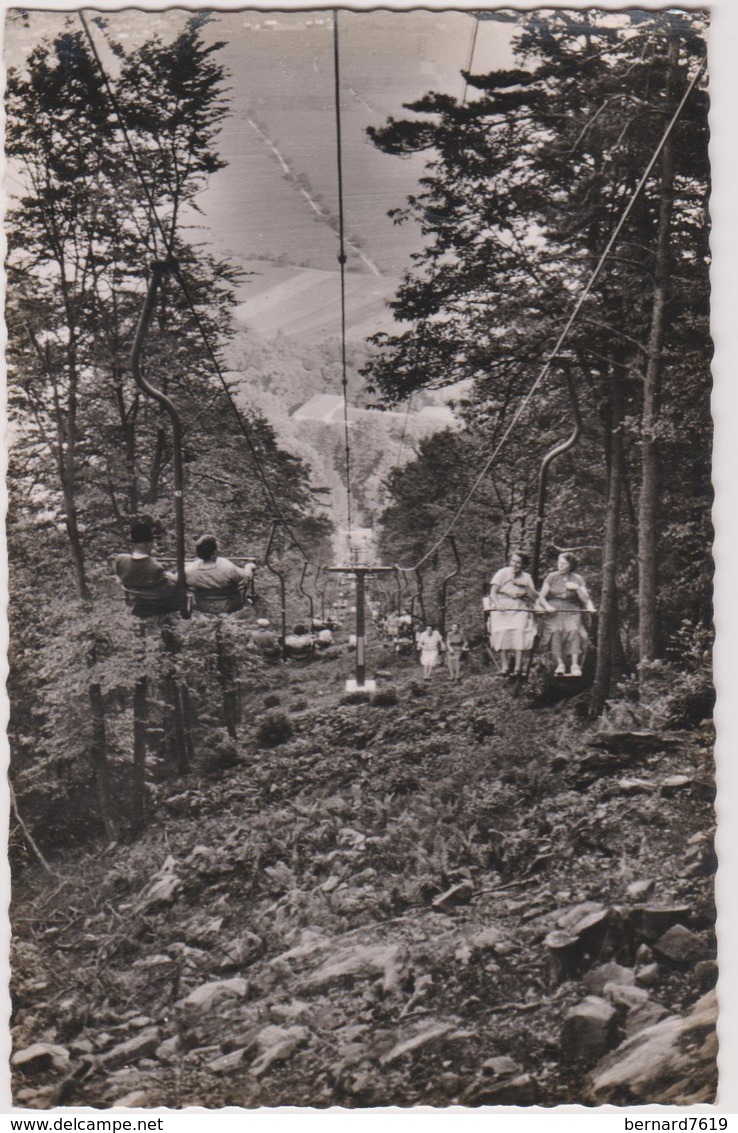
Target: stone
x=164 y=888
x=648 y=975
x=460 y=894
x=501 y=1066
x=623 y=996
x=209 y=996
x=138 y=1099
x=644 y=1016
x=651 y=921
x=276 y=1044
x=706 y=972
x=588 y=1029
x=360 y=961
x=603 y=974
x=140 y=1046
x=521 y=1090
x=416 y=1042
x=632 y=743
x=242 y=951
x=228 y=1062
x=39 y=1058
x=672 y=784
x=644 y=955
x=641 y=888
x=672 y=1062
x=680 y=945
x=634 y=786
x=488 y=937
x=168 y=1050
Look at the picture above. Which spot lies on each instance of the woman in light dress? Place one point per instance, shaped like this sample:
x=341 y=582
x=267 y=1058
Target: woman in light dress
x=512 y=626
x=430 y=644
x=565 y=595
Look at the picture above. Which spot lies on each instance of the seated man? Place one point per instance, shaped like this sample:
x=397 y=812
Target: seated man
x=219 y=585
x=266 y=640
x=150 y=589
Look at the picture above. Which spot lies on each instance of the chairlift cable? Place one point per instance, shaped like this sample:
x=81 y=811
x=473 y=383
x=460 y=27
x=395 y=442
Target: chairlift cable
x=569 y=323
x=472 y=48
x=156 y=223
x=342 y=263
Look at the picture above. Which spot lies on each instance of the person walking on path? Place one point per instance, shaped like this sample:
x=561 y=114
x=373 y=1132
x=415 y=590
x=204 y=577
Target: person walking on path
x=430 y=644
x=456 y=647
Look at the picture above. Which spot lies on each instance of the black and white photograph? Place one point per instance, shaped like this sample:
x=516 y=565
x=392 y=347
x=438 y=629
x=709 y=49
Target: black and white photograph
x=360 y=571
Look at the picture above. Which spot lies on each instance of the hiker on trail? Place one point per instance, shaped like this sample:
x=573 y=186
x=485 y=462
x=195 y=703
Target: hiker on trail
x=566 y=596
x=266 y=640
x=430 y=644
x=218 y=583
x=140 y=573
x=457 y=647
x=511 y=622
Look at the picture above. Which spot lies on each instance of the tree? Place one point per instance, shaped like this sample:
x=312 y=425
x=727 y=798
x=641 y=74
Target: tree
x=524 y=185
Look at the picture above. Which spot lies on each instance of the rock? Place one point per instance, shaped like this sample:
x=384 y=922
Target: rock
x=291 y=1012
x=486 y=938
x=641 y=888
x=570 y=919
x=228 y=1062
x=164 y=888
x=644 y=1016
x=140 y=1046
x=521 y=1090
x=359 y=961
x=644 y=955
x=460 y=894
x=648 y=975
x=501 y=1066
x=139 y=1099
x=565 y=954
x=408 y=1046
x=672 y=1062
x=651 y=921
x=588 y=1029
x=680 y=945
x=168 y=1050
x=242 y=951
x=596 y=980
x=39 y=1058
x=276 y=1044
x=672 y=784
x=634 y=786
x=624 y=996
x=632 y=743
x=209 y=996
x=706 y=972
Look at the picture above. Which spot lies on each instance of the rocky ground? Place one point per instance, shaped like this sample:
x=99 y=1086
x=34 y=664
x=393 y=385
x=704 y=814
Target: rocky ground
x=440 y=894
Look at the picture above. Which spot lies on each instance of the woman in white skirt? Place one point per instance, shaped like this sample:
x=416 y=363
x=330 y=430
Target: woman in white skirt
x=565 y=594
x=511 y=622
x=430 y=644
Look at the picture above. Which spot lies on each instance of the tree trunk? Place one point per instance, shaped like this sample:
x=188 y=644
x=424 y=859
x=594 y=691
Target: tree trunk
x=99 y=759
x=140 y=730
x=607 y=643
x=227 y=678
x=648 y=502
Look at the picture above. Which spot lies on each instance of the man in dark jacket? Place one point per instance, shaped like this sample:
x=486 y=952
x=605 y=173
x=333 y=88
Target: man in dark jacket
x=140 y=573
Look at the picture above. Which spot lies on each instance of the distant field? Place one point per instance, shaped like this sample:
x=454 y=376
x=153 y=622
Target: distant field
x=304 y=303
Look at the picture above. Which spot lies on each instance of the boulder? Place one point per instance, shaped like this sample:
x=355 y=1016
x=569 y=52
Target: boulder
x=680 y=945
x=520 y=1090
x=39 y=1058
x=485 y=938
x=640 y=888
x=424 y=1038
x=276 y=1044
x=648 y=975
x=588 y=1029
x=603 y=974
x=501 y=1066
x=672 y=784
x=211 y=995
x=651 y=921
x=227 y=1062
x=460 y=894
x=672 y=1062
x=359 y=961
x=140 y=1046
x=639 y=1018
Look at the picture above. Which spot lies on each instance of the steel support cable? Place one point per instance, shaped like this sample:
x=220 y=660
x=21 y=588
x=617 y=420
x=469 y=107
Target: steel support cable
x=342 y=263
x=156 y=223
x=569 y=323
x=472 y=48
